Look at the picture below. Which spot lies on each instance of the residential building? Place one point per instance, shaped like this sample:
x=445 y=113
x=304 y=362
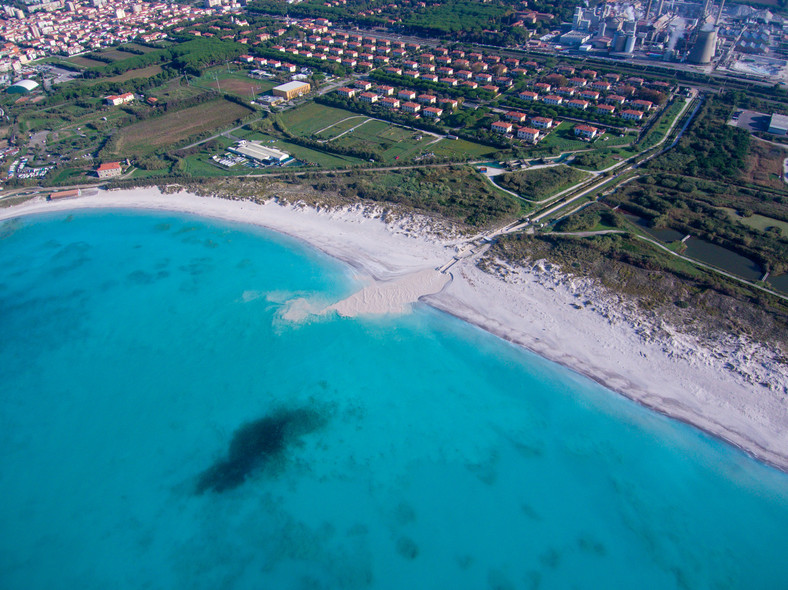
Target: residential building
x=528 y=134
x=501 y=127
x=586 y=131
x=541 y=122
x=109 y=170
x=577 y=104
x=346 y=92
x=118 y=99
x=632 y=115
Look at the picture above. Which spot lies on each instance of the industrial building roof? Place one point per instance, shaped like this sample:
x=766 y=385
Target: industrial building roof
x=258 y=152
x=23 y=86
x=779 y=122
x=290 y=86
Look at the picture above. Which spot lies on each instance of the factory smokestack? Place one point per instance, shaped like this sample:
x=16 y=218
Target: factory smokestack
x=719 y=14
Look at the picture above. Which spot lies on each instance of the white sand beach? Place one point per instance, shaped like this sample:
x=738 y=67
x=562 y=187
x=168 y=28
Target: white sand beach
x=735 y=389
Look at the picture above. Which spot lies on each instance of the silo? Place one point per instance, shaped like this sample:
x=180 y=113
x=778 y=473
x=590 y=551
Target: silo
x=703 y=50
x=629 y=45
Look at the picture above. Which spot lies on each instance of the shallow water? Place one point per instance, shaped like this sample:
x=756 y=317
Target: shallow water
x=145 y=359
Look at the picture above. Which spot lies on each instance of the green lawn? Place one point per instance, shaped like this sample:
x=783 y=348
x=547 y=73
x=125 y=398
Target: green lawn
x=563 y=138
x=455 y=148
x=395 y=143
x=341 y=127
x=312 y=117
x=756 y=221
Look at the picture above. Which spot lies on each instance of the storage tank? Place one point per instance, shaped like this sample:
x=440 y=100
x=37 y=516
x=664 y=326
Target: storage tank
x=703 y=50
x=629 y=45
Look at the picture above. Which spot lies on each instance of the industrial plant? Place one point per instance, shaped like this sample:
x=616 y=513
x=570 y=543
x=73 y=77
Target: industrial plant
x=702 y=35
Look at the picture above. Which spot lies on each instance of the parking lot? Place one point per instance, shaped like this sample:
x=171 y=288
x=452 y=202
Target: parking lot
x=751 y=121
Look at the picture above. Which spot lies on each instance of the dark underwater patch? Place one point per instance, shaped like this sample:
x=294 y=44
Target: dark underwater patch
x=258 y=444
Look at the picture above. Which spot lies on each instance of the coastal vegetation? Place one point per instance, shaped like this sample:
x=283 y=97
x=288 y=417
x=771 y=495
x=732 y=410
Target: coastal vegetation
x=541 y=183
x=457 y=194
x=694 y=298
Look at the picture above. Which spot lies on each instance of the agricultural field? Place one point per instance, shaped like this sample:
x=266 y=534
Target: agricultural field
x=168 y=129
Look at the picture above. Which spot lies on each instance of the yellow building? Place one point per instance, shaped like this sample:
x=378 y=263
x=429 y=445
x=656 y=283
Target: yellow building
x=292 y=90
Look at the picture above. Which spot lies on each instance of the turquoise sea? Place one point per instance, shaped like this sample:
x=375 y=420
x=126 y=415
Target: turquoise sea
x=161 y=426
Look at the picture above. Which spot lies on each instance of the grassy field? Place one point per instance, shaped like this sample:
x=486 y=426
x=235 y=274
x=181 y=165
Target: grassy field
x=455 y=148
x=563 y=138
x=84 y=62
x=176 y=89
x=395 y=143
x=760 y=222
x=147 y=72
x=236 y=83
x=342 y=126
x=312 y=117
x=658 y=130
x=541 y=183
x=765 y=165
x=147 y=136
x=114 y=54
x=143 y=48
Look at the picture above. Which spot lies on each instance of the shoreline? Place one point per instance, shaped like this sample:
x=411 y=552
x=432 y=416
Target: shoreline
x=719 y=391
